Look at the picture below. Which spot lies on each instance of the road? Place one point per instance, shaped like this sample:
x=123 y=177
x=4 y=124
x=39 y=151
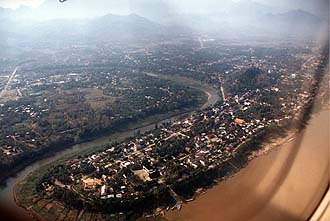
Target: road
x=6 y=194
x=201 y=43
x=222 y=89
x=8 y=82
x=286 y=184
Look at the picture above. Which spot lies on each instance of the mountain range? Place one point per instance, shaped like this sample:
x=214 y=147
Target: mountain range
x=235 y=20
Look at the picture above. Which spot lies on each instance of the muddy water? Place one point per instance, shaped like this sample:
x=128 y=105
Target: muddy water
x=7 y=203
x=285 y=185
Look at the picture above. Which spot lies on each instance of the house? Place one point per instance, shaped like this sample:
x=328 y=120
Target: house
x=91 y=183
x=142 y=174
x=103 y=190
x=239 y=121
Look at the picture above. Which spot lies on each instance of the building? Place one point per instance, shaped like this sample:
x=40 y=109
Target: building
x=239 y=121
x=91 y=183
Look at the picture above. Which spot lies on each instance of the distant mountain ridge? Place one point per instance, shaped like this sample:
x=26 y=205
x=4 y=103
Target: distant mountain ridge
x=245 y=18
x=125 y=27
x=105 y=28
x=294 y=22
x=297 y=16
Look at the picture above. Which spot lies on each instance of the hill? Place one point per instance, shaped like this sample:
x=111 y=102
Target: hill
x=249 y=79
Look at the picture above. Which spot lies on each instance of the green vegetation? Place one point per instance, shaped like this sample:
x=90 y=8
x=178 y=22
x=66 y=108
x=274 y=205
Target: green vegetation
x=159 y=169
x=52 y=119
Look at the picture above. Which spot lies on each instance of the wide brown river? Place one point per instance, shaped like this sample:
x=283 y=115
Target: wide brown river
x=284 y=185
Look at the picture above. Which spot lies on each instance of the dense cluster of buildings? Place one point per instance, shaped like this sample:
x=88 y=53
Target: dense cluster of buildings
x=90 y=84
x=175 y=151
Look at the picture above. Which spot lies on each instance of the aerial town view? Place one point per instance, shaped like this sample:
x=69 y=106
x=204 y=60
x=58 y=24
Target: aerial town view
x=129 y=114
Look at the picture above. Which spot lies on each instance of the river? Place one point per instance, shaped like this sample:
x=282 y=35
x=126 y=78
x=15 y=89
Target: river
x=7 y=203
x=284 y=185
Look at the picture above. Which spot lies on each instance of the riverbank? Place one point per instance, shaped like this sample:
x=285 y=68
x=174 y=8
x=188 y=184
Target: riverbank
x=270 y=146
x=42 y=209
x=266 y=148
x=37 y=207
x=30 y=210
x=284 y=180
x=132 y=126
x=6 y=194
x=285 y=183
x=220 y=172
x=287 y=163
x=226 y=169
x=211 y=96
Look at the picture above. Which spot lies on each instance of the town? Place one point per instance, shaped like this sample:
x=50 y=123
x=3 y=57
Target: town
x=163 y=110
x=262 y=96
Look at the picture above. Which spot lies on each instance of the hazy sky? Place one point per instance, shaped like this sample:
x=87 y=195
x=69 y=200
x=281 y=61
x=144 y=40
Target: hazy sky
x=17 y=3
x=319 y=7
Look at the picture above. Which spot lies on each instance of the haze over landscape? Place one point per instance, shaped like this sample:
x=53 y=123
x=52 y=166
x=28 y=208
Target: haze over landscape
x=318 y=7
x=129 y=110
x=227 y=19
